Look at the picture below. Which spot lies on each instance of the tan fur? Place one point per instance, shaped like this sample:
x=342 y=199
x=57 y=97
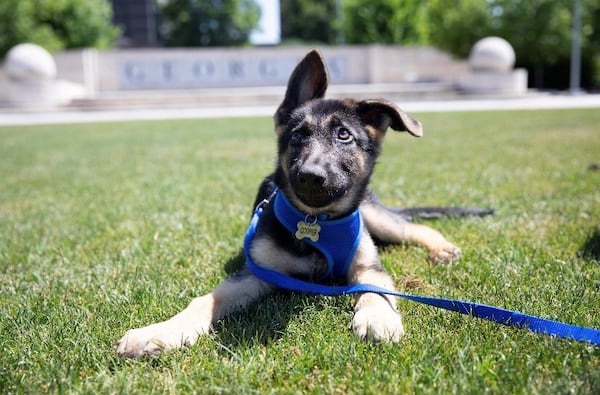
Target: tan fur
x=375 y=134
x=375 y=316
x=271 y=256
x=195 y=320
x=393 y=229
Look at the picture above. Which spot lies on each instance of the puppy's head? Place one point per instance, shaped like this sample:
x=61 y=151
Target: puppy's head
x=327 y=148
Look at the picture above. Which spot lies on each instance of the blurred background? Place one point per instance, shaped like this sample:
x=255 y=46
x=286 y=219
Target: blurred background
x=557 y=42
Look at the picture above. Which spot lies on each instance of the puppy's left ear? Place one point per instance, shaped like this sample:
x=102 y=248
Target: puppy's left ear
x=307 y=82
x=381 y=114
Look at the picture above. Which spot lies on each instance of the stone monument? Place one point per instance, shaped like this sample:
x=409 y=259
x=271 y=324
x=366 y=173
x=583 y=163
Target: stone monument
x=491 y=63
x=29 y=80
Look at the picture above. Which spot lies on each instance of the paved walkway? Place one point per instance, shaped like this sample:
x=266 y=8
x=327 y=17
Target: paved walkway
x=532 y=102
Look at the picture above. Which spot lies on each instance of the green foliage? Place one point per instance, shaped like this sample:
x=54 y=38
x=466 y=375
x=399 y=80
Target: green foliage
x=455 y=25
x=56 y=24
x=310 y=21
x=591 y=33
x=385 y=21
x=591 y=24
x=191 y=23
x=355 y=21
x=539 y=30
x=596 y=70
x=108 y=226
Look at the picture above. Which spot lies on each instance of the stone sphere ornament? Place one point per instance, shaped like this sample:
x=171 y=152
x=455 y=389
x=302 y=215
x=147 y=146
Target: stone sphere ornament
x=28 y=79
x=29 y=62
x=492 y=54
x=492 y=71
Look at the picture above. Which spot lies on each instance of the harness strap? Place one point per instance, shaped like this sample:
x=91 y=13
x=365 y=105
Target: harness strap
x=486 y=312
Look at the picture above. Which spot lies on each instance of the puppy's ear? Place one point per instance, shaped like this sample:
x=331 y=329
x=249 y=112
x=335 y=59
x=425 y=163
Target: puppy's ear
x=308 y=81
x=381 y=114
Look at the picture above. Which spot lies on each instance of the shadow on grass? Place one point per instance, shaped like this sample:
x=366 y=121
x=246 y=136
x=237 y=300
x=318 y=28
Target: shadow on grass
x=265 y=320
x=235 y=263
x=262 y=321
x=590 y=249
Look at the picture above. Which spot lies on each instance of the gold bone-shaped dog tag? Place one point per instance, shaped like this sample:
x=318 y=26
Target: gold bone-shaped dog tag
x=307 y=230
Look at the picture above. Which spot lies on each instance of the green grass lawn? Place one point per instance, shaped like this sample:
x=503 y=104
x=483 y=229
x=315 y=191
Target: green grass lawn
x=109 y=226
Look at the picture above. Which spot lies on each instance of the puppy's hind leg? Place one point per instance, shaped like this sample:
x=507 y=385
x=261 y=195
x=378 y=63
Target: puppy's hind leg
x=389 y=227
x=184 y=328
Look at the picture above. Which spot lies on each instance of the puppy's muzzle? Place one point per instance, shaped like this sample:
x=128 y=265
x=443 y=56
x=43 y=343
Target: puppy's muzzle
x=311 y=178
x=312 y=185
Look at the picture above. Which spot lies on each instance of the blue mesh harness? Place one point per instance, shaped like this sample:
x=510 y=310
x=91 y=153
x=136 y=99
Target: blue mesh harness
x=330 y=232
x=336 y=239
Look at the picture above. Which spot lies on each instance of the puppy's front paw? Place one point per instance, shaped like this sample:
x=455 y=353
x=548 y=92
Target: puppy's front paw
x=378 y=322
x=445 y=253
x=155 y=339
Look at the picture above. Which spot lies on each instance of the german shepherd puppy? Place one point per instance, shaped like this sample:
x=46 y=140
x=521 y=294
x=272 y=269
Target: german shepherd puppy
x=327 y=151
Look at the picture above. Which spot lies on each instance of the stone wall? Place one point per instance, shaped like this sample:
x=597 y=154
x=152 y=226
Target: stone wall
x=173 y=69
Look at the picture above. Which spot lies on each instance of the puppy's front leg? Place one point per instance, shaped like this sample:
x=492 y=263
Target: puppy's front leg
x=376 y=317
x=184 y=328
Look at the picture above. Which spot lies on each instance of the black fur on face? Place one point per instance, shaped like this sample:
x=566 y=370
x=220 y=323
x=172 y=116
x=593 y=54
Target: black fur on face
x=326 y=157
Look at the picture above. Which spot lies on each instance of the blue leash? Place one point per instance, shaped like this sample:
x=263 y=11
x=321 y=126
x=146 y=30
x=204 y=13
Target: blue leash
x=486 y=312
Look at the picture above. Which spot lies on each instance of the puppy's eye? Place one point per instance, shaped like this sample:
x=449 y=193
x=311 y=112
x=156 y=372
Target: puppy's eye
x=344 y=135
x=296 y=138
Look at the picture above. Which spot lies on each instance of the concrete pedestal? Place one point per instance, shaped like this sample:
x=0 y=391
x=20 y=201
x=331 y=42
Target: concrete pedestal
x=507 y=83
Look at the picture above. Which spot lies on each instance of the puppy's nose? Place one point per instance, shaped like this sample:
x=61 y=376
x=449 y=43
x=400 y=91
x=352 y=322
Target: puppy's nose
x=312 y=176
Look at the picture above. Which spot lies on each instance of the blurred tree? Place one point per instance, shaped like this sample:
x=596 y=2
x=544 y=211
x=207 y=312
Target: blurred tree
x=310 y=21
x=591 y=34
x=385 y=21
x=56 y=24
x=455 y=25
x=190 y=23
x=538 y=30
